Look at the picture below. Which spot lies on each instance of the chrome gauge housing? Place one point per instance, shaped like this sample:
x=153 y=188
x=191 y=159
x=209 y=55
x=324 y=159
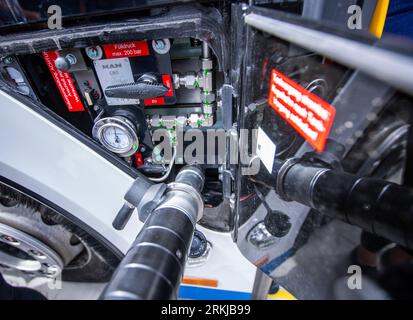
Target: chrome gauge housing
x=117 y=134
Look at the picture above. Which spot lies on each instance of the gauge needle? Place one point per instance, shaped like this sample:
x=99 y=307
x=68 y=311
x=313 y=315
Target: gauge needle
x=116 y=136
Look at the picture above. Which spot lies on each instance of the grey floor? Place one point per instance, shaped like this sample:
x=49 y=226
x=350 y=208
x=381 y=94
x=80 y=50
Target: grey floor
x=314 y=271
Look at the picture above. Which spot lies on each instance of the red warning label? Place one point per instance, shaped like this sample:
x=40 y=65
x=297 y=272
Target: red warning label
x=154 y=101
x=310 y=116
x=126 y=49
x=64 y=83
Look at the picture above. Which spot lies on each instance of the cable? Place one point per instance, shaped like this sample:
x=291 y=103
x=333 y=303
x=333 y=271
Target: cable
x=168 y=171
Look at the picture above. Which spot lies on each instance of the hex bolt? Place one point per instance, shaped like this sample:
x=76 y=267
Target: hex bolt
x=10 y=239
x=8 y=59
x=37 y=254
x=51 y=269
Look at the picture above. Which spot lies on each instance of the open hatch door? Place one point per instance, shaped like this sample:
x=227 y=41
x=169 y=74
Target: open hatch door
x=315 y=89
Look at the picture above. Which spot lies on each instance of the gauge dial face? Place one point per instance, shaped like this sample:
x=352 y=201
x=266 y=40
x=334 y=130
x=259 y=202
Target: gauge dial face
x=116 y=137
x=117 y=134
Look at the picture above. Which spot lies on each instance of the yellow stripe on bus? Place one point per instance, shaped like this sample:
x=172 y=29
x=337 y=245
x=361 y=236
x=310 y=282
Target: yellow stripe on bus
x=379 y=18
x=282 y=294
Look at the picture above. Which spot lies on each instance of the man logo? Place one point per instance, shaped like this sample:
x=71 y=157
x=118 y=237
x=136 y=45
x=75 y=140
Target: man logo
x=354 y=281
x=55 y=19
x=112 y=66
x=355 y=20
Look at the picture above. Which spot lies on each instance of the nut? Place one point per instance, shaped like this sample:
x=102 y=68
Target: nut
x=190 y=80
x=168 y=121
x=208 y=108
x=207 y=97
x=206 y=64
x=208 y=120
x=181 y=121
x=156 y=121
x=193 y=120
x=176 y=80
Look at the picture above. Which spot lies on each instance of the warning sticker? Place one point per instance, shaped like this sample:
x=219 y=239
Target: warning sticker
x=310 y=116
x=126 y=49
x=266 y=149
x=154 y=101
x=64 y=83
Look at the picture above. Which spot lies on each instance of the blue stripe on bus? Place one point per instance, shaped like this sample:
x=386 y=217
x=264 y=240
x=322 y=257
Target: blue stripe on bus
x=201 y=293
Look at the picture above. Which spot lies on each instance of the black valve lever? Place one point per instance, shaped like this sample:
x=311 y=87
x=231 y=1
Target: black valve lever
x=123 y=216
x=146 y=87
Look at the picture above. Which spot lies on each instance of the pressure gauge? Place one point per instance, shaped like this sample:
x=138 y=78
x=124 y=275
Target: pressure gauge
x=117 y=134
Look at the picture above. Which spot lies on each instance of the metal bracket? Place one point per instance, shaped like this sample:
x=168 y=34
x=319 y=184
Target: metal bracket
x=150 y=200
x=143 y=196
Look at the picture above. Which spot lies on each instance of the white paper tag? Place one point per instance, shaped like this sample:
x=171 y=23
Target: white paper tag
x=265 y=150
x=112 y=72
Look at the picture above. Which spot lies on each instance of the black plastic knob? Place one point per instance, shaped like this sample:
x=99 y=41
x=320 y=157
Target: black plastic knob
x=123 y=216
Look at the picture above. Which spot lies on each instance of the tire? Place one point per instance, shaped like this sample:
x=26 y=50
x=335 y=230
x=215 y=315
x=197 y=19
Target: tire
x=381 y=152
x=84 y=258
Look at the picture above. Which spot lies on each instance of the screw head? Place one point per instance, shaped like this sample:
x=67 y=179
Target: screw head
x=71 y=58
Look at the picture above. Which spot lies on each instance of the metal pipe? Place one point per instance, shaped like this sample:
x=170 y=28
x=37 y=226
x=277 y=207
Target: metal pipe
x=262 y=286
x=395 y=69
x=206 y=52
x=207 y=94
